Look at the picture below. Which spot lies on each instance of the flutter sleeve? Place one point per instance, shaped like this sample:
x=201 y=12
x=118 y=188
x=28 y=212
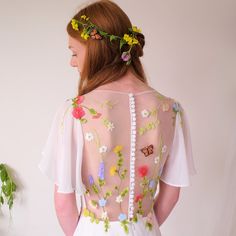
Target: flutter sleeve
x=62 y=153
x=179 y=164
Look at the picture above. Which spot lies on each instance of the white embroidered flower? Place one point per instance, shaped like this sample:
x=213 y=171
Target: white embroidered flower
x=102 y=149
x=104 y=215
x=145 y=113
x=164 y=149
x=165 y=107
x=157 y=159
x=110 y=126
x=119 y=199
x=89 y=136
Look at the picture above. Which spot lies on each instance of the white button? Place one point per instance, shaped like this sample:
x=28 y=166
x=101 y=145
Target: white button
x=131 y=94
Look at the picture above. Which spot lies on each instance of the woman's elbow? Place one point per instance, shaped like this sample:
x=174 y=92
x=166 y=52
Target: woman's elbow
x=64 y=201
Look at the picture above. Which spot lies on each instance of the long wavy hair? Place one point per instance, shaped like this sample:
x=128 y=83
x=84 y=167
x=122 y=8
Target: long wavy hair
x=102 y=63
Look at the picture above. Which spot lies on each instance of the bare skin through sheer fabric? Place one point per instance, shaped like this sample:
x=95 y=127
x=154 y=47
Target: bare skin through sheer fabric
x=113 y=147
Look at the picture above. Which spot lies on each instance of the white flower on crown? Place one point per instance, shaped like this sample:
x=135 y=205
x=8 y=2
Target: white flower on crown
x=145 y=113
x=102 y=149
x=110 y=126
x=119 y=199
x=164 y=149
x=89 y=136
x=104 y=215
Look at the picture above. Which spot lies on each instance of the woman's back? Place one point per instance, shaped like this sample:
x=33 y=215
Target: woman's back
x=111 y=149
x=126 y=140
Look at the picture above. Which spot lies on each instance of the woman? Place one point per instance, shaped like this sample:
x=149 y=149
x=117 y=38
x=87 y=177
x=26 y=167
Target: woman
x=119 y=139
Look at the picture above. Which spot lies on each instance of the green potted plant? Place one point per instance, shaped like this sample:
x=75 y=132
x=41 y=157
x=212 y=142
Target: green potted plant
x=7 y=187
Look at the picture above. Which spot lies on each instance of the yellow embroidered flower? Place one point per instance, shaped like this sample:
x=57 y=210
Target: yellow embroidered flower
x=135 y=29
x=86 y=212
x=118 y=148
x=113 y=170
x=84 y=17
x=74 y=24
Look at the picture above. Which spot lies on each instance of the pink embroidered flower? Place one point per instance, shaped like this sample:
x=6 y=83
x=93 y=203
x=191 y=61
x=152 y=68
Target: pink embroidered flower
x=78 y=112
x=96 y=116
x=139 y=197
x=143 y=170
x=79 y=99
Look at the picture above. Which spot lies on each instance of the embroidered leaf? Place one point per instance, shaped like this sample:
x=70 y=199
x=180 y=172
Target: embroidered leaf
x=124 y=192
x=108 y=194
x=101 y=182
x=148 y=225
x=106 y=224
x=92 y=111
x=83 y=120
x=123 y=174
x=95 y=188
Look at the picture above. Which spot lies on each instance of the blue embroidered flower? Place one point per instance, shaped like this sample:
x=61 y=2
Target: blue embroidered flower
x=176 y=107
x=102 y=202
x=152 y=183
x=122 y=217
x=101 y=170
x=91 y=181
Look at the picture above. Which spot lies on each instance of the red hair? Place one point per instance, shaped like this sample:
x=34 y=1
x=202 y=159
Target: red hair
x=102 y=61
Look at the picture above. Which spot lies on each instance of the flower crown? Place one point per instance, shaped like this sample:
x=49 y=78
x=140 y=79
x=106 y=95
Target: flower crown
x=93 y=31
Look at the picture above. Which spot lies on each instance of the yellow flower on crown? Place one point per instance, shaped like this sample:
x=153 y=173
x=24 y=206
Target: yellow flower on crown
x=74 y=24
x=130 y=40
x=135 y=29
x=84 y=35
x=84 y=17
x=118 y=148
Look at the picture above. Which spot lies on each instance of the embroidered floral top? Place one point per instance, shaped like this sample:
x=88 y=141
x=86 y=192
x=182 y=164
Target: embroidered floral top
x=113 y=147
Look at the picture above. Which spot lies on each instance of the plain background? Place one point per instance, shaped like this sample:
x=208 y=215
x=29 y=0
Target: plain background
x=190 y=55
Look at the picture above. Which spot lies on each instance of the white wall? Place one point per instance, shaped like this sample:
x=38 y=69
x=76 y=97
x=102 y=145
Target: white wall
x=190 y=55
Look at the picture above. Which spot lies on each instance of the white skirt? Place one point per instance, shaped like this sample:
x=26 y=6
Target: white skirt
x=86 y=228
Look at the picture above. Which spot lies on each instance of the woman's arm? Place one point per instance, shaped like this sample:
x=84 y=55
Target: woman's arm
x=67 y=211
x=166 y=199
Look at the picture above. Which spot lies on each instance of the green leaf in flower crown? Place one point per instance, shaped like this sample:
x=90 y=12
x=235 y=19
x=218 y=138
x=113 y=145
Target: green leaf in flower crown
x=122 y=42
x=112 y=37
x=128 y=62
x=102 y=33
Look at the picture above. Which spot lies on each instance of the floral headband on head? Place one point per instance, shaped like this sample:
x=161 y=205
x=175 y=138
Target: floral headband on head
x=93 y=31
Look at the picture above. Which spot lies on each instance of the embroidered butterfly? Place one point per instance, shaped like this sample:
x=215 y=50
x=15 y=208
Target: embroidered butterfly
x=148 y=150
x=95 y=35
